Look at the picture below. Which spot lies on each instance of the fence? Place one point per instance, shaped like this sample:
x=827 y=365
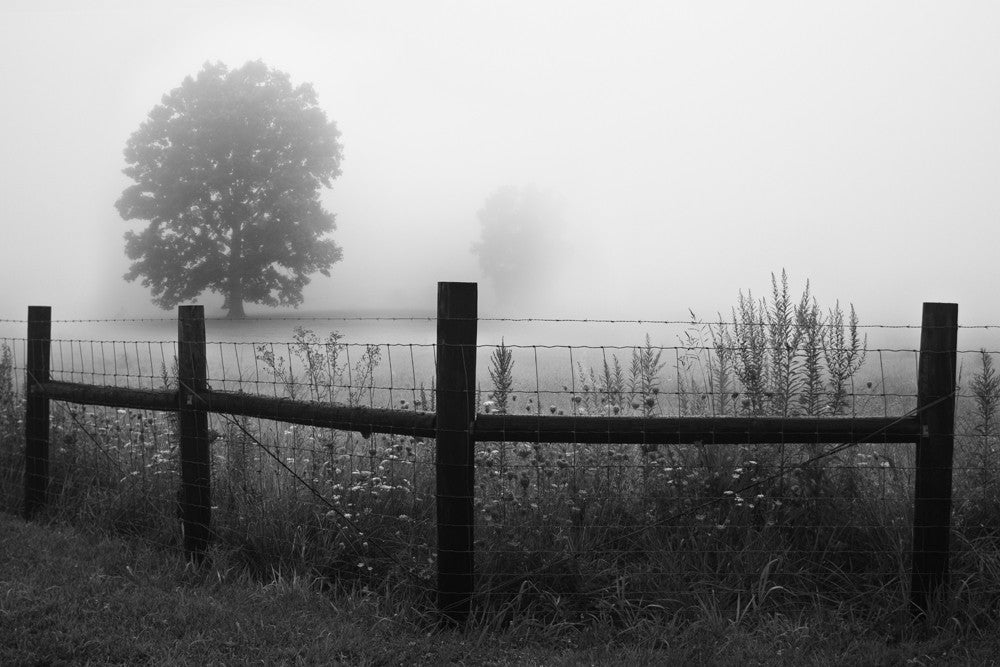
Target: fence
x=456 y=426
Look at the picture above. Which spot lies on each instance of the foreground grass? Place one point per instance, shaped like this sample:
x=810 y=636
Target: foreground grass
x=73 y=598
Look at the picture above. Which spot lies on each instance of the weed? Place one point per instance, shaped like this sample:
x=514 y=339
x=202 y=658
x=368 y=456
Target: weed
x=502 y=375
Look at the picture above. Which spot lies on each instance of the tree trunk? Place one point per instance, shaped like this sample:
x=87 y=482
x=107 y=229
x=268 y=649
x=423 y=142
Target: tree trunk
x=234 y=296
x=235 y=305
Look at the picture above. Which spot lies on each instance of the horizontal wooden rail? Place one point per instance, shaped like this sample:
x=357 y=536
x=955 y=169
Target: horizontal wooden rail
x=511 y=428
x=114 y=397
x=689 y=430
x=325 y=415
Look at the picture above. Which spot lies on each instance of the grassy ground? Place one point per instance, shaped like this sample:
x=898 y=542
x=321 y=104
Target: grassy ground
x=73 y=598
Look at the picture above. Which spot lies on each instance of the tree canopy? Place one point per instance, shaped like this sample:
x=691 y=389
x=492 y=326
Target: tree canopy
x=227 y=171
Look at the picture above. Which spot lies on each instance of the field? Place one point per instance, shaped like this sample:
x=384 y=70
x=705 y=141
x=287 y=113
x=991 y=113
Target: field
x=569 y=537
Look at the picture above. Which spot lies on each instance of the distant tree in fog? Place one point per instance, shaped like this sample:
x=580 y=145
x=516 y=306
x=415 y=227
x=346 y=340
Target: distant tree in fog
x=228 y=170
x=518 y=241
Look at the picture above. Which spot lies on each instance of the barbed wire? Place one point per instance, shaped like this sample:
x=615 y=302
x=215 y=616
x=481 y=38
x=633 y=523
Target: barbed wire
x=518 y=320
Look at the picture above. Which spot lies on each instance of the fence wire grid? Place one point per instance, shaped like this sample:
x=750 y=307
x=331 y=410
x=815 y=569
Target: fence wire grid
x=573 y=528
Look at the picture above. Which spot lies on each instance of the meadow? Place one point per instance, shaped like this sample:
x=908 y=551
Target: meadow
x=569 y=536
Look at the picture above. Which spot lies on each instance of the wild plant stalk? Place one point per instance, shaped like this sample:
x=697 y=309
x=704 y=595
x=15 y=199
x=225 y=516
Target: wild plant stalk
x=692 y=398
x=752 y=351
x=613 y=385
x=502 y=375
x=8 y=403
x=321 y=362
x=810 y=323
x=844 y=351
x=364 y=376
x=722 y=370
x=644 y=377
x=783 y=343
x=601 y=393
x=644 y=385
x=986 y=392
x=275 y=365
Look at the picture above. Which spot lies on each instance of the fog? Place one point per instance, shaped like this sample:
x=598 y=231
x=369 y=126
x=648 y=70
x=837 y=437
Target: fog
x=694 y=147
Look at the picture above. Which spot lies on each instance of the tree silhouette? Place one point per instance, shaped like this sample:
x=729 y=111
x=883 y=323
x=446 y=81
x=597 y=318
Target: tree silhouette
x=519 y=228
x=228 y=170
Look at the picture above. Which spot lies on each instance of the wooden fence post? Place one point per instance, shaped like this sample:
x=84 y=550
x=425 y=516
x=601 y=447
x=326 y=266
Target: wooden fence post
x=932 y=492
x=454 y=469
x=195 y=491
x=36 y=415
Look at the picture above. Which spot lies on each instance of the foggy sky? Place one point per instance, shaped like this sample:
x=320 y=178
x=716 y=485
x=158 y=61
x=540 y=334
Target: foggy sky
x=696 y=147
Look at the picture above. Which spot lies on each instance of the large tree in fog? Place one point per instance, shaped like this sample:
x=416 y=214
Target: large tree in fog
x=228 y=169
x=518 y=242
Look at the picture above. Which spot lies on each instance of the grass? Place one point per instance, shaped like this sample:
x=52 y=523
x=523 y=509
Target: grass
x=72 y=598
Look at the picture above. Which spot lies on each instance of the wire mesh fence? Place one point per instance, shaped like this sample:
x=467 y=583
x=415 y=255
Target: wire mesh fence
x=333 y=503
x=575 y=527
